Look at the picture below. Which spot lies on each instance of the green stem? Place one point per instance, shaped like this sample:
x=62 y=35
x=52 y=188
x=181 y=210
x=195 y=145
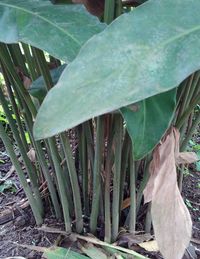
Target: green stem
x=125 y=156
x=30 y=61
x=29 y=167
x=62 y=190
x=84 y=169
x=40 y=153
x=132 y=222
x=19 y=57
x=27 y=190
x=116 y=178
x=188 y=111
x=74 y=181
x=191 y=132
x=96 y=174
x=15 y=108
x=108 y=169
x=5 y=58
x=109 y=11
x=43 y=67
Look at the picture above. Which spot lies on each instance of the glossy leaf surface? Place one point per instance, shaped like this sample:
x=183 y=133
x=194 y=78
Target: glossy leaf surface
x=60 y=30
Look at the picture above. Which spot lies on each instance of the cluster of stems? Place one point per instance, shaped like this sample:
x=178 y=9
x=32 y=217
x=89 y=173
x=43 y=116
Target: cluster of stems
x=90 y=170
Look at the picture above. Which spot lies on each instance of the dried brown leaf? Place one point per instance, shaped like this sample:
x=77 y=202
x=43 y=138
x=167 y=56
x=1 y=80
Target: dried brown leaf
x=186 y=158
x=150 y=246
x=171 y=219
x=31 y=155
x=131 y=239
x=95 y=7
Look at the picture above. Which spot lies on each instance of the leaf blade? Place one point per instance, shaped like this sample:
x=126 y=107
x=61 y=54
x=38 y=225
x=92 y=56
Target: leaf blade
x=125 y=64
x=148 y=123
x=58 y=29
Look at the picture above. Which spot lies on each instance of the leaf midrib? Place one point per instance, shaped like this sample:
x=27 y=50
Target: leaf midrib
x=42 y=18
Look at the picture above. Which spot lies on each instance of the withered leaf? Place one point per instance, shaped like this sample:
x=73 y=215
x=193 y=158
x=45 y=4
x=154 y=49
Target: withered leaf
x=171 y=219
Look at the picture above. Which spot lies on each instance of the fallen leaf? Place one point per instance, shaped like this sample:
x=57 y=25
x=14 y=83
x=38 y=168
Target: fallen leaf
x=31 y=155
x=186 y=158
x=132 y=239
x=94 y=7
x=9 y=173
x=171 y=219
x=150 y=246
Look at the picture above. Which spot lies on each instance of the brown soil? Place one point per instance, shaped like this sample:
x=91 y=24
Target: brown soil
x=22 y=229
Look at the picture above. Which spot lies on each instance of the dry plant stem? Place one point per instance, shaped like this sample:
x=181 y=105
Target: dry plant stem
x=96 y=173
x=117 y=173
x=74 y=181
x=27 y=190
x=29 y=167
x=132 y=222
x=62 y=190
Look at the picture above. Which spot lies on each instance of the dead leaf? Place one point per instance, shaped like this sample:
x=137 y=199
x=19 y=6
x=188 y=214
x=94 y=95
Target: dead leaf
x=183 y=157
x=27 y=82
x=31 y=155
x=171 y=219
x=94 y=7
x=186 y=158
x=132 y=239
x=126 y=203
x=148 y=191
x=150 y=246
x=9 y=173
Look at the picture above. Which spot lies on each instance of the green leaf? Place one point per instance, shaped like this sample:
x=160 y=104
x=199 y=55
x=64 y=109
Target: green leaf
x=147 y=121
x=38 y=87
x=62 y=253
x=58 y=29
x=142 y=53
x=8 y=185
x=94 y=252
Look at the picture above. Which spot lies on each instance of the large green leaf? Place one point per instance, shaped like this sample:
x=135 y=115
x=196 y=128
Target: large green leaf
x=147 y=121
x=142 y=53
x=59 y=29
